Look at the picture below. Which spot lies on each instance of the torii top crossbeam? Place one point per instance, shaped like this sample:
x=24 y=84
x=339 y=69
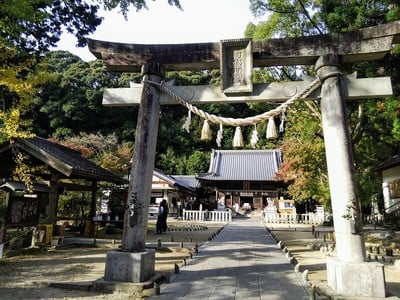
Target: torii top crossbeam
x=365 y=44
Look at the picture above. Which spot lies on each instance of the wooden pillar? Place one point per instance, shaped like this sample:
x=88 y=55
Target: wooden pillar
x=136 y=214
x=53 y=199
x=343 y=189
x=92 y=212
x=93 y=190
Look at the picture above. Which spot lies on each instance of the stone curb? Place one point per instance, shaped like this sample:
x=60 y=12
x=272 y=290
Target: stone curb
x=291 y=258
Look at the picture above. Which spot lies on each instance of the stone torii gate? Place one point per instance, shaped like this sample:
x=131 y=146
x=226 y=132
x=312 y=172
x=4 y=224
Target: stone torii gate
x=348 y=274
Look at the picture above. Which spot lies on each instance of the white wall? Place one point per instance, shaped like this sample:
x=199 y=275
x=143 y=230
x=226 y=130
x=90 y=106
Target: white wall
x=388 y=177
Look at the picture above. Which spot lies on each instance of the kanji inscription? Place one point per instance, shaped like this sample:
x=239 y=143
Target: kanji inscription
x=236 y=66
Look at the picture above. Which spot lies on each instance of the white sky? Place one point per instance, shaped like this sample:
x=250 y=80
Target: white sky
x=200 y=21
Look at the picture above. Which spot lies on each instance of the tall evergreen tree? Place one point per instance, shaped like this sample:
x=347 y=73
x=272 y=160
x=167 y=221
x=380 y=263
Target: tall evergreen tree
x=71 y=102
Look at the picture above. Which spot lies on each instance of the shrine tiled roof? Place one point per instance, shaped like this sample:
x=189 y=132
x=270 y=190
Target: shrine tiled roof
x=186 y=182
x=243 y=165
x=392 y=162
x=66 y=161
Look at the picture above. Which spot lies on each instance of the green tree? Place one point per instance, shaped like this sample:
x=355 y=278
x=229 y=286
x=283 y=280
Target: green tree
x=71 y=102
x=18 y=82
x=124 y=5
x=286 y=18
x=347 y=15
x=37 y=25
x=304 y=155
x=168 y=161
x=29 y=28
x=198 y=162
x=370 y=120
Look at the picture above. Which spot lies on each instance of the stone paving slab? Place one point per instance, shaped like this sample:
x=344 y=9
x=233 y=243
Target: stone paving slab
x=241 y=262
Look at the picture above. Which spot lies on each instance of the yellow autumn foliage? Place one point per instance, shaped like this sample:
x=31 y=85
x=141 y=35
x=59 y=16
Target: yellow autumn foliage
x=19 y=78
x=18 y=81
x=10 y=127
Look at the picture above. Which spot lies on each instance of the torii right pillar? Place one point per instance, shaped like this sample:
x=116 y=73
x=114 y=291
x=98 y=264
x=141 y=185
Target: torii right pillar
x=348 y=273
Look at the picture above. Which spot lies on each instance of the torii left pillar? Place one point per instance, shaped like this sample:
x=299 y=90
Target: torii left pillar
x=135 y=263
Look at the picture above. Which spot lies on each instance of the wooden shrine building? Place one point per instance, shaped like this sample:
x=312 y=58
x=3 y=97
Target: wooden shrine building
x=246 y=178
x=390 y=170
x=177 y=190
x=56 y=166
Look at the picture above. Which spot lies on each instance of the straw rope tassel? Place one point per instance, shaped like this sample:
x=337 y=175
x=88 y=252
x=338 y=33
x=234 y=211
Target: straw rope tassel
x=206 y=131
x=282 y=124
x=186 y=125
x=238 y=138
x=254 y=137
x=271 y=129
x=219 y=135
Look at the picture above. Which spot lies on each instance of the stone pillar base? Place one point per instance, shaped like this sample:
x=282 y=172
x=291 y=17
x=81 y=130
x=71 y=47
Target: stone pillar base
x=365 y=279
x=129 y=266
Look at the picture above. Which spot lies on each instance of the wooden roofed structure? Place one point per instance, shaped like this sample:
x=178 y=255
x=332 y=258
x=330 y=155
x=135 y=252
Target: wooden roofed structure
x=390 y=171
x=56 y=165
x=244 y=176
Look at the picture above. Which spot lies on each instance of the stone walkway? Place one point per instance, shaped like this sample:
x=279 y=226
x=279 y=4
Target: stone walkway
x=242 y=262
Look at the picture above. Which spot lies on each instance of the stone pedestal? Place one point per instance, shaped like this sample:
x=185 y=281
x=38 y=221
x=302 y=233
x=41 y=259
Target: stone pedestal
x=364 y=279
x=129 y=266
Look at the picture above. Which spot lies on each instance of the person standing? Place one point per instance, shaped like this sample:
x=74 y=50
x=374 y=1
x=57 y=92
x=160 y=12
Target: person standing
x=164 y=215
x=160 y=218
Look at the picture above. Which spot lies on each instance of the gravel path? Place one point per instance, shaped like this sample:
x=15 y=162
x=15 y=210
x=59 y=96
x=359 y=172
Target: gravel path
x=27 y=276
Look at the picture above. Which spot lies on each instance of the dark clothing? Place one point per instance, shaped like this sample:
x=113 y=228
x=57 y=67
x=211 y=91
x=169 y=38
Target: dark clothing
x=160 y=220
x=161 y=225
x=164 y=219
x=159 y=228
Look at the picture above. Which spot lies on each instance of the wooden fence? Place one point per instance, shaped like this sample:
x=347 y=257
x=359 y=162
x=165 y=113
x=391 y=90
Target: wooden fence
x=205 y=215
x=309 y=218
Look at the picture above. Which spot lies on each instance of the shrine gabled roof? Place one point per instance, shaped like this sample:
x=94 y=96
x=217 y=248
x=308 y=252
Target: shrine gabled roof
x=186 y=182
x=243 y=165
x=15 y=186
x=392 y=162
x=66 y=161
